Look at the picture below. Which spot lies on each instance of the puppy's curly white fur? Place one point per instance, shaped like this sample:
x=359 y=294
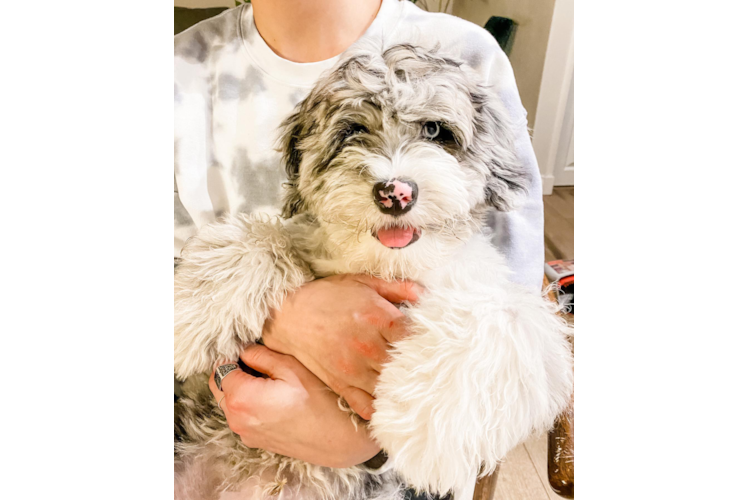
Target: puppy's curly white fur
x=488 y=362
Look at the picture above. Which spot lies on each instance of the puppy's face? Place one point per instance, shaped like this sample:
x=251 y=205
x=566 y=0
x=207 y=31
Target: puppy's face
x=398 y=155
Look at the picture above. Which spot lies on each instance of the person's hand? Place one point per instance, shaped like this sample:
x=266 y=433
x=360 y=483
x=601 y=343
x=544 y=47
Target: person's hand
x=340 y=328
x=291 y=413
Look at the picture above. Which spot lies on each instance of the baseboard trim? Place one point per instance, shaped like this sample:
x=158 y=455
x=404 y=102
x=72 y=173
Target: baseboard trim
x=548 y=181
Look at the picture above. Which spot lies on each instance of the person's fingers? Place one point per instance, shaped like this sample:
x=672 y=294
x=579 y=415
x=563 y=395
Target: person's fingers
x=368 y=380
x=267 y=361
x=393 y=291
x=236 y=399
x=232 y=379
x=360 y=401
x=396 y=329
x=214 y=388
x=389 y=321
x=237 y=390
x=379 y=358
x=235 y=382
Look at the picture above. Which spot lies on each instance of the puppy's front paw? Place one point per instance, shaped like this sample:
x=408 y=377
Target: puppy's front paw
x=231 y=275
x=476 y=378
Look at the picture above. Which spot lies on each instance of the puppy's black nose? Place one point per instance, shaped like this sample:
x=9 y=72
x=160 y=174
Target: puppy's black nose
x=395 y=196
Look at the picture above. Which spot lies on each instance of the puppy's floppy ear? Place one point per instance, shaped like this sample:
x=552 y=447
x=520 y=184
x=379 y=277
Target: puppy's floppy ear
x=292 y=131
x=507 y=182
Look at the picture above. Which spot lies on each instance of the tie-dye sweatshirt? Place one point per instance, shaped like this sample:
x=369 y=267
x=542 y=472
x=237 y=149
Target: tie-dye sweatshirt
x=231 y=92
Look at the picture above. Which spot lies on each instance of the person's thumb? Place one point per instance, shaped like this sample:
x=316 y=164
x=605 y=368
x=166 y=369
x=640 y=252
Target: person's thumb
x=360 y=401
x=266 y=361
x=393 y=291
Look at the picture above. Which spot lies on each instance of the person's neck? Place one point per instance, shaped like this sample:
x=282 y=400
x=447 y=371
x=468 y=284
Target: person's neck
x=312 y=30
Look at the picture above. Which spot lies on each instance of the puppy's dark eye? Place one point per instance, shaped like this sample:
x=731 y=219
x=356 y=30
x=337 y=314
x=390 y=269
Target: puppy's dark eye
x=431 y=130
x=436 y=131
x=353 y=129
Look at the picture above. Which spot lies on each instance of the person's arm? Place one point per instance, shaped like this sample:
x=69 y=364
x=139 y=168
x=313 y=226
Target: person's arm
x=184 y=227
x=518 y=234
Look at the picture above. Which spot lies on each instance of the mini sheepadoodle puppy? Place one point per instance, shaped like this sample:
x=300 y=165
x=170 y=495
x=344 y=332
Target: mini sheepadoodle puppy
x=393 y=160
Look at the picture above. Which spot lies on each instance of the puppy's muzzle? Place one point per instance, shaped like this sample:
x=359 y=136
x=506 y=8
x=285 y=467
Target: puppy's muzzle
x=395 y=196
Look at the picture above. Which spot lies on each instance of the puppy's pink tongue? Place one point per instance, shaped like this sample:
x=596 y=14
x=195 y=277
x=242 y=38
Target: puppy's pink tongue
x=395 y=237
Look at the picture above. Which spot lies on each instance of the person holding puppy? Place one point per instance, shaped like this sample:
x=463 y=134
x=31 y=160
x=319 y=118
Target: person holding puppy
x=237 y=76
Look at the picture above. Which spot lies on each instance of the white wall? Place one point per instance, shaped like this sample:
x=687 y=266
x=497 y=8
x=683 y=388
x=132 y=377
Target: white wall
x=533 y=18
x=555 y=103
x=436 y=5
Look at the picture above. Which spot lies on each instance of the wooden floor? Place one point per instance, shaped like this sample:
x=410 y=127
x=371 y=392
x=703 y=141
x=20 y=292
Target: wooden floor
x=523 y=475
x=559 y=224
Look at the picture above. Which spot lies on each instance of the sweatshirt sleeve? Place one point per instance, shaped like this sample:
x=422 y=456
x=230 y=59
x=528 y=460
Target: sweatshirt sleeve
x=192 y=203
x=519 y=234
x=184 y=227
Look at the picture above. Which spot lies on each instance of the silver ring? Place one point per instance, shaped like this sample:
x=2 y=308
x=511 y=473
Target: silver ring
x=222 y=371
x=221 y=401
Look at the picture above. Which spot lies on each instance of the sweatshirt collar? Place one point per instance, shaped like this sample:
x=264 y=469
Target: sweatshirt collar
x=305 y=74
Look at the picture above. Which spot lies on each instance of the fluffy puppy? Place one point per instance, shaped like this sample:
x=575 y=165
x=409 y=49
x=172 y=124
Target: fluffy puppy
x=393 y=160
